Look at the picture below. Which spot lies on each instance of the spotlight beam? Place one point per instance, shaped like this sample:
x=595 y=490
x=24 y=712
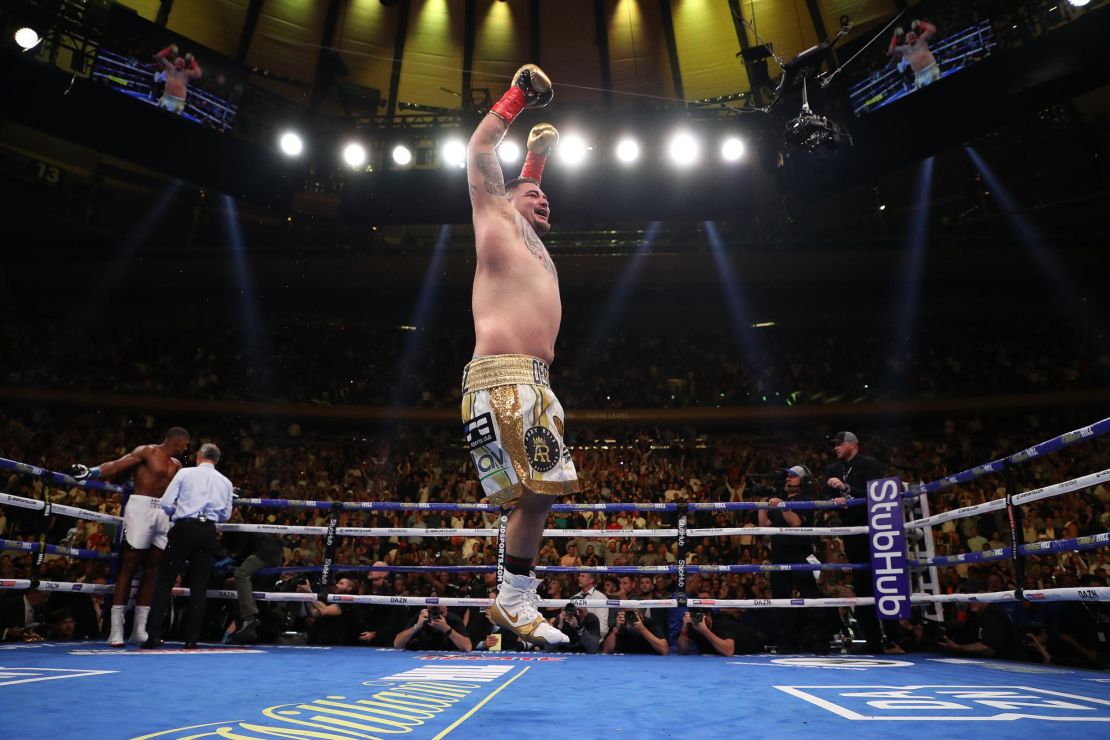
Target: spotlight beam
x=607 y=318
x=429 y=287
x=908 y=296
x=735 y=301
x=256 y=343
x=1066 y=288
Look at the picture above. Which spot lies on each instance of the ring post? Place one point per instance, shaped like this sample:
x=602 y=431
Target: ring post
x=1014 y=516
x=682 y=554
x=330 y=546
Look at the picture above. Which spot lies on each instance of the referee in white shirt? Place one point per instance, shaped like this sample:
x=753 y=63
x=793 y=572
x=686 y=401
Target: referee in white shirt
x=195 y=500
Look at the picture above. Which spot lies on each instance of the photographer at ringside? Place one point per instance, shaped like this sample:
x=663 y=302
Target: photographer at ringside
x=582 y=627
x=433 y=628
x=705 y=632
x=847 y=478
x=634 y=633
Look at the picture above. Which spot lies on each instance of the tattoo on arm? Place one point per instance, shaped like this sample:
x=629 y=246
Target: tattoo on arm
x=493 y=178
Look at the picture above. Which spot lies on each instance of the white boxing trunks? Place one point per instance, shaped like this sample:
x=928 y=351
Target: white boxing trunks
x=926 y=76
x=145 y=523
x=172 y=103
x=513 y=425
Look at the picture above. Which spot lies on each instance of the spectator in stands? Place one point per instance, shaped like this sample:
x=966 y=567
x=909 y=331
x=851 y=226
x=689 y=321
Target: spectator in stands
x=587 y=589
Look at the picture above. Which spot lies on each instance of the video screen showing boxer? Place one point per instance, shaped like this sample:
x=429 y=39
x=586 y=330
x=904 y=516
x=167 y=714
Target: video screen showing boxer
x=164 y=69
x=918 y=54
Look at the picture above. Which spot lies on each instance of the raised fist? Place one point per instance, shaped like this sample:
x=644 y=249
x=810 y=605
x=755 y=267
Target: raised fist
x=173 y=48
x=916 y=26
x=189 y=57
x=536 y=86
x=542 y=139
x=899 y=32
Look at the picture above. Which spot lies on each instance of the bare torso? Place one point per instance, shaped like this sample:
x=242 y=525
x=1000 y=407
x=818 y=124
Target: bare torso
x=177 y=82
x=155 y=472
x=516 y=304
x=918 y=55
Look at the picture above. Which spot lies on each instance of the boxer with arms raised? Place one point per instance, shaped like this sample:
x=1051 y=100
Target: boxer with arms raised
x=512 y=420
x=145 y=525
x=177 y=73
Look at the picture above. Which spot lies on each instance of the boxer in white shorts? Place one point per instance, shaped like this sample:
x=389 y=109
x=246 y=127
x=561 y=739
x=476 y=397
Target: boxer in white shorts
x=145 y=525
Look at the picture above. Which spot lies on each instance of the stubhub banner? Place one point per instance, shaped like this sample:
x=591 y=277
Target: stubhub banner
x=886 y=533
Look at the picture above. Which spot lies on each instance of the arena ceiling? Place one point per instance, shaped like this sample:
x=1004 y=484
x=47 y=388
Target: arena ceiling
x=600 y=52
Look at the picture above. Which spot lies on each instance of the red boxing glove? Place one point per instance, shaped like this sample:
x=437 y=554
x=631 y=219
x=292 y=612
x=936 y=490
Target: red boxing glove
x=531 y=89
x=541 y=140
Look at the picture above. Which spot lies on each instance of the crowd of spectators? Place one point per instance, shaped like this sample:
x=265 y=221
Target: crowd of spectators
x=429 y=465
x=656 y=369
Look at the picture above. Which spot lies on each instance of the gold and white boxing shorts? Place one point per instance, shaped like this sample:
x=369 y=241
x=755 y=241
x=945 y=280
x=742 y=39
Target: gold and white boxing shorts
x=513 y=425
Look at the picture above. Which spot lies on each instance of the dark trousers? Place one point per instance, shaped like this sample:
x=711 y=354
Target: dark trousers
x=192 y=541
x=857 y=550
x=792 y=622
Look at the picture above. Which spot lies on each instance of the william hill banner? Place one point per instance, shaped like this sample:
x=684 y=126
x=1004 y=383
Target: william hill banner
x=886 y=532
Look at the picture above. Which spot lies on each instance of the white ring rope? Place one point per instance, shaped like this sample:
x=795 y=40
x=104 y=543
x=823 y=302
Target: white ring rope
x=1026 y=497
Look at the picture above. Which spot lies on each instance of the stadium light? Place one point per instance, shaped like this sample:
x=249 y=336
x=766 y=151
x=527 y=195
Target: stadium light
x=1078 y=3
x=291 y=144
x=572 y=150
x=402 y=155
x=683 y=149
x=628 y=150
x=732 y=149
x=354 y=154
x=27 y=38
x=509 y=151
x=454 y=153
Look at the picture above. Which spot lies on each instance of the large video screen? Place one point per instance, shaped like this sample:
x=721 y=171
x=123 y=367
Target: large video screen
x=918 y=55
x=166 y=70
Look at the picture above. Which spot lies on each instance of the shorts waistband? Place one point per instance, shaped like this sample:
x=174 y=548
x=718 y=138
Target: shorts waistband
x=484 y=373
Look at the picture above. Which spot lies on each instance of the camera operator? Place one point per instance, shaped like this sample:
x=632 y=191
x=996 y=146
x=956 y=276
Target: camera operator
x=808 y=628
x=582 y=627
x=634 y=633
x=706 y=633
x=331 y=624
x=847 y=478
x=433 y=628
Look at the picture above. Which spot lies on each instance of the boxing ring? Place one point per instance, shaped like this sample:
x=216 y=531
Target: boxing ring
x=294 y=691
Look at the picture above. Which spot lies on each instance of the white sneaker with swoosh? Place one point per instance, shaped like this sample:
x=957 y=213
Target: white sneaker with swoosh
x=515 y=610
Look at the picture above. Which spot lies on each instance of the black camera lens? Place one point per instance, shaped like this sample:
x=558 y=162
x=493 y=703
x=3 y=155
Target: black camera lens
x=697 y=616
x=570 y=610
x=433 y=612
x=631 y=617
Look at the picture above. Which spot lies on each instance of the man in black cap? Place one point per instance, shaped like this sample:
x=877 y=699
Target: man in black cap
x=795 y=630
x=847 y=478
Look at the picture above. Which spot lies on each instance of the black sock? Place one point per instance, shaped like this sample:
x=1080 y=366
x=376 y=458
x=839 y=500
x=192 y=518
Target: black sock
x=518 y=565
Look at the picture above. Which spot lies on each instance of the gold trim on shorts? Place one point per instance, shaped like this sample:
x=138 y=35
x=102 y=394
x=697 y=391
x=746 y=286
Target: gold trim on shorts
x=487 y=373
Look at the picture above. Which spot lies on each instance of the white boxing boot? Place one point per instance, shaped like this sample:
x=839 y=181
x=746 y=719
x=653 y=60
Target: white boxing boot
x=515 y=610
x=138 y=629
x=115 y=636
